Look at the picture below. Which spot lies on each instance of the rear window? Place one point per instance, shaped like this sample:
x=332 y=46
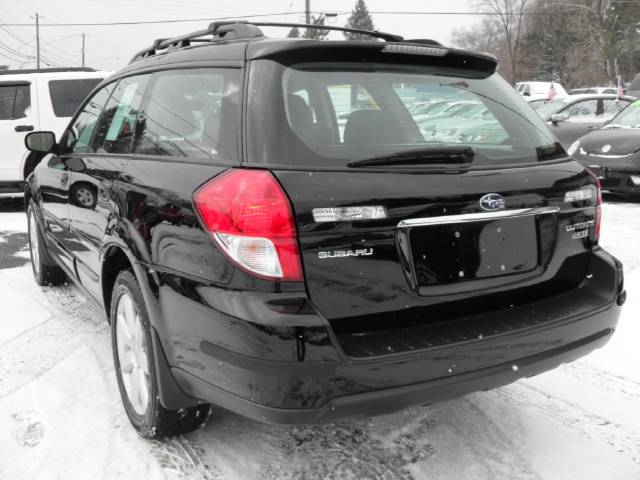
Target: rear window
x=331 y=114
x=67 y=95
x=15 y=101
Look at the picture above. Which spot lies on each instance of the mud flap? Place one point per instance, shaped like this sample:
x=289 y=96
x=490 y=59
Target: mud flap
x=172 y=397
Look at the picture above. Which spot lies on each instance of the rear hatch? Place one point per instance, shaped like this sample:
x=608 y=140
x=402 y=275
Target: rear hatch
x=396 y=230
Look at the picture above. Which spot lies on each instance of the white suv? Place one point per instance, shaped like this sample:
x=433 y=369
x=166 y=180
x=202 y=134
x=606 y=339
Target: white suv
x=539 y=90
x=44 y=99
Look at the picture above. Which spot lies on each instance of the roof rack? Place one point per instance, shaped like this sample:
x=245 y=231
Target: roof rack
x=239 y=29
x=47 y=70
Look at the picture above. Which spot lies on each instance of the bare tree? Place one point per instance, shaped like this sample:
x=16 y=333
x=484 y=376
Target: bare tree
x=510 y=14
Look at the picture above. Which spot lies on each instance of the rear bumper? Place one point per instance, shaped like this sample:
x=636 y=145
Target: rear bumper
x=293 y=368
x=388 y=400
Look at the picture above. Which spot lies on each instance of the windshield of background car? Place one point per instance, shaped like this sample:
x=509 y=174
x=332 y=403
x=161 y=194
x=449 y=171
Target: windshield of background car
x=628 y=118
x=323 y=114
x=550 y=108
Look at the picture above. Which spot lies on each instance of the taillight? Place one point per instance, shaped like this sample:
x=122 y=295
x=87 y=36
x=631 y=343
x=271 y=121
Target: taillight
x=250 y=218
x=596 y=229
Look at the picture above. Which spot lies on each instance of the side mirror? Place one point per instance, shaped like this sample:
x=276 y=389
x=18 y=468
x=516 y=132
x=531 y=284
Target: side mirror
x=559 y=117
x=41 y=142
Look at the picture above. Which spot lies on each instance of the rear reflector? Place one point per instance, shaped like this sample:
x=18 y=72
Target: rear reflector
x=579 y=195
x=250 y=218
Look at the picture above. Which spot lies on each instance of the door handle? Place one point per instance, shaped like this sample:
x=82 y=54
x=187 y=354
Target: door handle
x=24 y=128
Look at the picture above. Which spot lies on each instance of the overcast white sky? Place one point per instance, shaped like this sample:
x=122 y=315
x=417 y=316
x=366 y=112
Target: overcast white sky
x=111 y=47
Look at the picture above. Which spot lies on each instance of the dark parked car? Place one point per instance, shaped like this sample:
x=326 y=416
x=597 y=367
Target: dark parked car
x=253 y=253
x=613 y=152
x=571 y=117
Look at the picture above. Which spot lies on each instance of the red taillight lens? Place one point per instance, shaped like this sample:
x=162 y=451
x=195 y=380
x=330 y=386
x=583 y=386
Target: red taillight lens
x=598 y=219
x=250 y=218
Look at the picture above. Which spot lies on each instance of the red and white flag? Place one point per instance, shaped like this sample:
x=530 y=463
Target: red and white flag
x=620 y=91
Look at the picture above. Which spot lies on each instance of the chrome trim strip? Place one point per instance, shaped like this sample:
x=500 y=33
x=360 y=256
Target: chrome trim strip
x=476 y=217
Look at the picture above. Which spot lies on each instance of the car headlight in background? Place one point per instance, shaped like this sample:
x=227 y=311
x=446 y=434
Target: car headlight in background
x=574 y=146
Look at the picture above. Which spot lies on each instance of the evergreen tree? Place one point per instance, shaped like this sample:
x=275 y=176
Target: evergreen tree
x=294 y=33
x=316 y=33
x=360 y=18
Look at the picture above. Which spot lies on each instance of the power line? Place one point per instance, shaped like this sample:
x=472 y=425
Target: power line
x=146 y=22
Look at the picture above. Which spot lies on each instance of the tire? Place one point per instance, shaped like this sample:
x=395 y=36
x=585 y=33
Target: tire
x=83 y=195
x=136 y=370
x=45 y=271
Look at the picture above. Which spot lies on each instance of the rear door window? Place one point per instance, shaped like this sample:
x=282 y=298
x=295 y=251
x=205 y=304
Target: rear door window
x=613 y=106
x=192 y=113
x=67 y=95
x=15 y=101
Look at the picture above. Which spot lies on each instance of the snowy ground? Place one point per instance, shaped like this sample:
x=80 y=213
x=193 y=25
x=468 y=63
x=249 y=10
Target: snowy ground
x=61 y=418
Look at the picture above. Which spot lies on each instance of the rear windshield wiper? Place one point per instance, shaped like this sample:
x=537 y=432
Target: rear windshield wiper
x=426 y=156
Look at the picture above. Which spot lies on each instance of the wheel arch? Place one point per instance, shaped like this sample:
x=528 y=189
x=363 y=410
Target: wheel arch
x=116 y=258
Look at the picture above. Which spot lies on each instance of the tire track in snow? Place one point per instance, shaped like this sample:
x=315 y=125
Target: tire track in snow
x=351 y=449
x=182 y=459
x=585 y=423
x=74 y=322
x=622 y=387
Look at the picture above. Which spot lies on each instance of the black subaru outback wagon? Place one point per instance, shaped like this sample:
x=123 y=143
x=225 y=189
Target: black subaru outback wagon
x=272 y=228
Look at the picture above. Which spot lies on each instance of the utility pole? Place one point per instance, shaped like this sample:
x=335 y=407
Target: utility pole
x=307 y=11
x=37 y=42
x=83 y=35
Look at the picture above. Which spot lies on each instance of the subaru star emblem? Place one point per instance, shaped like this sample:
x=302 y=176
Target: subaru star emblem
x=606 y=148
x=492 y=201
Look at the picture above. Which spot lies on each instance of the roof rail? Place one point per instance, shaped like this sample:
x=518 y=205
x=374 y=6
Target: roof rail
x=47 y=70
x=389 y=37
x=239 y=29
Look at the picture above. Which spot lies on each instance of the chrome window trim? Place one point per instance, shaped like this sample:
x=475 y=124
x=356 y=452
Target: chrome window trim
x=476 y=217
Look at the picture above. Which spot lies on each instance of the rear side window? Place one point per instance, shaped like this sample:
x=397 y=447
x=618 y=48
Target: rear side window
x=67 y=95
x=192 y=113
x=15 y=101
x=117 y=126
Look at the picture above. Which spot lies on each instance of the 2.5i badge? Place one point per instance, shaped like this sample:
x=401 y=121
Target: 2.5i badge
x=580 y=230
x=361 y=252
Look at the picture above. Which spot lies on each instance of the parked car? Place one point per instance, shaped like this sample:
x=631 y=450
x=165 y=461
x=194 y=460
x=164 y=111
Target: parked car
x=250 y=254
x=540 y=90
x=613 y=152
x=590 y=90
x=44 y=99
x=571 y=117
